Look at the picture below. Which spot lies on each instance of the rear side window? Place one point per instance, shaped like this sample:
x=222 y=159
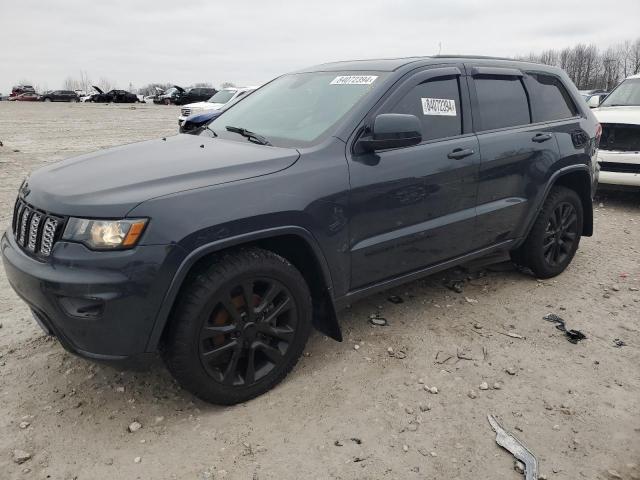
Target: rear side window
x=436 y=103
x=502 y=102
x=550 y=99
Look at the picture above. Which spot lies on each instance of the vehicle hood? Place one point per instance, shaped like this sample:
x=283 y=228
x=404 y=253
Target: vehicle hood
x=109 y=183
x=97 y=89
x=180 y=89
x=628 y=115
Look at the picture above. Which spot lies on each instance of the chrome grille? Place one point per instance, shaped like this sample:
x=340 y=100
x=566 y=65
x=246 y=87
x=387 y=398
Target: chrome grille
x=34 y=230
x=186 y=112
x=34 y=224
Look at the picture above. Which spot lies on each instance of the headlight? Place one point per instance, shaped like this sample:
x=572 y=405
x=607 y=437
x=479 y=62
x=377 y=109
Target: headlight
x=104 y=234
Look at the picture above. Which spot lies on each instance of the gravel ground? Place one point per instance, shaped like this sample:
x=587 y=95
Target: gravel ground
x=344 y=412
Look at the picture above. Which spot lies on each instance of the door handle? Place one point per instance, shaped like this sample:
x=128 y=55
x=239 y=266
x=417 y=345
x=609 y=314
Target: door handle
x=541 y=137
x=459 y=153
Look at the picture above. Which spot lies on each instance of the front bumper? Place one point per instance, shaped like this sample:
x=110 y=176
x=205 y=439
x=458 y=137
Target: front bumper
x=100 y=305
x=619 y=168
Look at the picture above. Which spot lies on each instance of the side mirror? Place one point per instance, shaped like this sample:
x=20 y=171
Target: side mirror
x=392 y=130
x=594 y=101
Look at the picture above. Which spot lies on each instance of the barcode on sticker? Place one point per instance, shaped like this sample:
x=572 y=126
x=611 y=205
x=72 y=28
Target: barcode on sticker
x=354 y=80
x=439 y=106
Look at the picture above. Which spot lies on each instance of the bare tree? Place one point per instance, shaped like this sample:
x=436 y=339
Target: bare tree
x=203 y=85
x=227 y=85
x=105 y=84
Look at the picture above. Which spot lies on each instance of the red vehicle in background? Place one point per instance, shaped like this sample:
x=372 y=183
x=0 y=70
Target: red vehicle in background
x=25 y=97
x=19 y=89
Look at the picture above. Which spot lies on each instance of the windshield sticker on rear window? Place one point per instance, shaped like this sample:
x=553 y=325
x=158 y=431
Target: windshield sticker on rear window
x=354 y=80
x=439 y=106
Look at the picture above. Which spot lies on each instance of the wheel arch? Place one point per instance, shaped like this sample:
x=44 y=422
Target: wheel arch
x=578 y=180
x=296 y=244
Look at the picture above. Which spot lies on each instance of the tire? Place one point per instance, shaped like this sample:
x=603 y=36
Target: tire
x=224 y=353
x=548 y=250
x=46 y=100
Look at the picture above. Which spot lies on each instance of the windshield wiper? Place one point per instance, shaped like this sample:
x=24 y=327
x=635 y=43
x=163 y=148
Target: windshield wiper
x=255 y=137
x=207 y=127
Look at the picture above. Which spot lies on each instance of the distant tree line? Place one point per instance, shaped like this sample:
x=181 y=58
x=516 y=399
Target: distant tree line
x=590 y=67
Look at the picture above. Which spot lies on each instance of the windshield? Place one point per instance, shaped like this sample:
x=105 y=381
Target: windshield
x=297 y=109
x=171 y=91
x=223 y=96
x=625 y=94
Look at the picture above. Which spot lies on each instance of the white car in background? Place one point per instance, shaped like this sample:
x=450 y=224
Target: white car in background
x=220 y=99
x=619 y=151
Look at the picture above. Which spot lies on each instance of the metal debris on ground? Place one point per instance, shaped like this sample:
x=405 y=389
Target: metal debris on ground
x=395 y=299
x=574 y=336
x=516 y=448
x=455 y=285
x=618 y=343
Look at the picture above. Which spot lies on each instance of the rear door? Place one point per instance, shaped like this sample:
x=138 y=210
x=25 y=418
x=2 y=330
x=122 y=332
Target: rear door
x=516 y=153
x=414 y=207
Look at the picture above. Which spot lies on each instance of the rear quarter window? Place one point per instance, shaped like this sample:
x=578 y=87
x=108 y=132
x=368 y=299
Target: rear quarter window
x=550 y=100
x=502 y=102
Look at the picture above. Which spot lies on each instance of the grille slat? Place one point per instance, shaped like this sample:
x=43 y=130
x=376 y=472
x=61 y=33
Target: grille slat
x=34 y=230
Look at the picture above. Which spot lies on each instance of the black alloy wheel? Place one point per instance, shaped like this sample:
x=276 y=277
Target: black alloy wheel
x=560 y=234
x=239 y=326
x=248 y=333
x=555 y=235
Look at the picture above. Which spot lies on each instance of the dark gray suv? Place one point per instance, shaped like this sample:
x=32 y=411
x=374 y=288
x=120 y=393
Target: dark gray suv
x=222 y=250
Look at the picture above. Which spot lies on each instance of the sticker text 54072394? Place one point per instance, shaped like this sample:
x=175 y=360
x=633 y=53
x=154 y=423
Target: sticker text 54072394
x=439 y=106
x=354 y=80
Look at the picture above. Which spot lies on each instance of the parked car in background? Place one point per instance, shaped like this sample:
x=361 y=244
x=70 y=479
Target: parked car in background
x=226 y=96
x=168 y=96
x=25 y=97
x=112 y=96
x=18 y=89
x=179 y=96
x=223 y=251
x=60 y=96
x=619 y=151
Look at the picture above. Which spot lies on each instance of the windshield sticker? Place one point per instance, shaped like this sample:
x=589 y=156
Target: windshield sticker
x=354 y=80
x=439 y=106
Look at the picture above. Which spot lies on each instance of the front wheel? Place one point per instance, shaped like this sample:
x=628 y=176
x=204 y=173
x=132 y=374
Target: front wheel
x=555 y=235
x=47 y=100
x=239 y=327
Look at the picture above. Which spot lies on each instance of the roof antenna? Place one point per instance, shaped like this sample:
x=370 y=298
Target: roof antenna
x=439 y=48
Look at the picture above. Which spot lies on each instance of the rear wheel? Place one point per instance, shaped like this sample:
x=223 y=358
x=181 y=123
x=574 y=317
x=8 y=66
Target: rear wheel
x=239 y=327
x=555 y=236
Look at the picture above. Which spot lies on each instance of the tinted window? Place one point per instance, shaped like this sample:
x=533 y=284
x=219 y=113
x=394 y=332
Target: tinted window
x=433 y=103
x=502 y=102
x=550 y=99
x=297 y=109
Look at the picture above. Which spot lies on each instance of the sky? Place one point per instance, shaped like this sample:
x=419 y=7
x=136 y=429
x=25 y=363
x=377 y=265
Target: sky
x=137 y=42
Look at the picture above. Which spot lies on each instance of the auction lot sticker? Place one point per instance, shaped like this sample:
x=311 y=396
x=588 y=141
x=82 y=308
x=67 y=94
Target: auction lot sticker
x=354 y=80
x=439 y=106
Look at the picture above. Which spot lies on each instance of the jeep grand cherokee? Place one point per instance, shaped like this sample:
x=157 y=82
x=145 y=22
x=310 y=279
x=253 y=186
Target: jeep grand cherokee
x=222 y=250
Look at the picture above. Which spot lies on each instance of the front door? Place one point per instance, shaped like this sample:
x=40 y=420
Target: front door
x=414 y=207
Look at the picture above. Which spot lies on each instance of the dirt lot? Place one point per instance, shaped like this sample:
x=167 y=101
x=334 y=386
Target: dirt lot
x=343 y=413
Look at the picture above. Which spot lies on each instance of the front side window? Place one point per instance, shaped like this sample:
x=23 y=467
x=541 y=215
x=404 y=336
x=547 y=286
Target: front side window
x=436 y=103
x=551 y=99
x=502 y=102
x=298 y=109
x=625 y=94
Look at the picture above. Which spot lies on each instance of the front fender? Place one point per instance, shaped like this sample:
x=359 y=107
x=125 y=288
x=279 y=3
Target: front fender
x=194 y=256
